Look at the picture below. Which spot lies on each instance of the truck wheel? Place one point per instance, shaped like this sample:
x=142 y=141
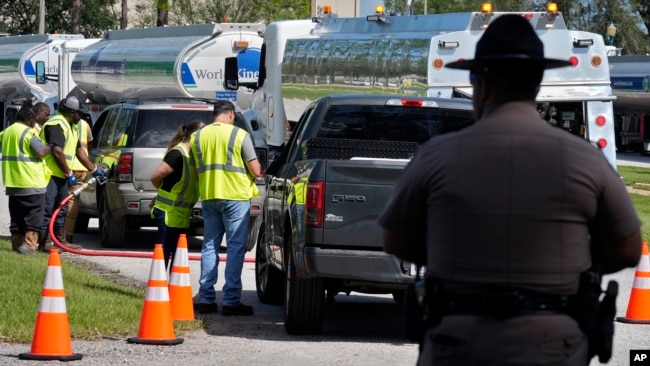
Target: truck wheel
x=268 y=279
x=111 y=232
x=81 y=225
x=304 y=302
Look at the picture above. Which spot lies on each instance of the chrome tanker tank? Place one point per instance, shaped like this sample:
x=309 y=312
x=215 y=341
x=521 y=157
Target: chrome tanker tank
x=630 y=76
x=166 y=62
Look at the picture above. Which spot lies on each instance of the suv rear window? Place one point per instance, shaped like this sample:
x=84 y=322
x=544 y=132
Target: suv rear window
x=156 y=127
x=408 y=124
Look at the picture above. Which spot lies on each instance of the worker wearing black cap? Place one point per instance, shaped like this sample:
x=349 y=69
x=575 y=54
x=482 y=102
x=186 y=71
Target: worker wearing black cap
x=507 y=216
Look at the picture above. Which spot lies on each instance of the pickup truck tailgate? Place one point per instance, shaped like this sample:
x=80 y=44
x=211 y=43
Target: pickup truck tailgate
x=355 y=194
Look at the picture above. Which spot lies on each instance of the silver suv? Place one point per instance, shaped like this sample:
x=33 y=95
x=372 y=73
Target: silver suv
x=131 y=139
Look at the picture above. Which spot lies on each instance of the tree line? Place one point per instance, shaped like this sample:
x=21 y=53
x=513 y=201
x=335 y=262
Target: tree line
x=92 y=17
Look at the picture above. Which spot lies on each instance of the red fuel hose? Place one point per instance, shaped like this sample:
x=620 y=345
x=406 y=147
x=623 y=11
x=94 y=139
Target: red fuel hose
x=105 y=253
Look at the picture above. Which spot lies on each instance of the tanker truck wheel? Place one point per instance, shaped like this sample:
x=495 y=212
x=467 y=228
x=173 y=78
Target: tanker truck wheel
x=111 y=231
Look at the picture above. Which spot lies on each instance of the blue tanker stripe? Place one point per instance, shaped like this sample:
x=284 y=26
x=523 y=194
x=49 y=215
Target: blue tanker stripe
x=29 y=69
x=186 y=76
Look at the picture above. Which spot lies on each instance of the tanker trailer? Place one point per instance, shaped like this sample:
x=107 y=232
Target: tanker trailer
x=630 y=77
x=18 y=55
x=167 y=62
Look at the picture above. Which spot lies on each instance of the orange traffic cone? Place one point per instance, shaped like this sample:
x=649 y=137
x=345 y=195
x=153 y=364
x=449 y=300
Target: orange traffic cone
x=180 y=289
x=638 y=308
x=156 y=324
x=51 y=339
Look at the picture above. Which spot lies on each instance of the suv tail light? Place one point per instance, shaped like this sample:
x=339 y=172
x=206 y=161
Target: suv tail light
x=124 y=171
x=315 y=204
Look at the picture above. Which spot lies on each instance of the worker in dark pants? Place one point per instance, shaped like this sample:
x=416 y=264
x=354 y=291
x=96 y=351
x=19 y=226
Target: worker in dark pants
x=64 y=145
x=507 y=215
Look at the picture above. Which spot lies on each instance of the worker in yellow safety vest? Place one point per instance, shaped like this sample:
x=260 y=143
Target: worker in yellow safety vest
x=84 y=132
x=178 y=191
x=25 y=179
x=64 y=143
x=226 y=163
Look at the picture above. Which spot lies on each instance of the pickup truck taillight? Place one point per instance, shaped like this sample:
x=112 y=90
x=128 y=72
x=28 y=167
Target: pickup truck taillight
x=124 y=171
x=314 y=204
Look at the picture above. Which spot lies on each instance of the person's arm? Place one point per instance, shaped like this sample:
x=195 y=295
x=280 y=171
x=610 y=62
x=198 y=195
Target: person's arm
x=55 y=140
x=160 y=173
x=250 y=158
x=84 y=159
x=166 y=167
x=616 y=229
x=38 y=148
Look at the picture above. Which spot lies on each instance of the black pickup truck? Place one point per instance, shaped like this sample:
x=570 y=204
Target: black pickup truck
x=320 y=234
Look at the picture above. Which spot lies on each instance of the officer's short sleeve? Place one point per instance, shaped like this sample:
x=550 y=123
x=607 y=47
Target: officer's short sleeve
x=616 y=218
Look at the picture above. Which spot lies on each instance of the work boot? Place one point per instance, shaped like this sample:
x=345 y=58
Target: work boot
x=43 y=237
x=26 y=250
x=59 y=233
x=16 y=241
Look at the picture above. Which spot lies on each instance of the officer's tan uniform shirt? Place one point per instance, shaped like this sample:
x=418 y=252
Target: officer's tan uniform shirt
x=510 y=201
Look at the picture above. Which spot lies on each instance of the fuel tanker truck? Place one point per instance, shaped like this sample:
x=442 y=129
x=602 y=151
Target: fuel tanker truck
x=167 y=62
x=630 y=76
x=18 y=56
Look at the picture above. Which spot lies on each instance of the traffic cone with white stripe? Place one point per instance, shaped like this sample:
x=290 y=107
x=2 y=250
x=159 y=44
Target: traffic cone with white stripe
x=156 y=323
x=180 y=289
x=51 y=339
x=638 y=308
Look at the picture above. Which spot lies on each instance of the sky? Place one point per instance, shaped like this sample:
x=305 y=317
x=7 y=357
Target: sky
x=367 y=7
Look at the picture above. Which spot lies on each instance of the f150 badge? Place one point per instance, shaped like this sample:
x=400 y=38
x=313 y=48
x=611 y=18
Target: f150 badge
x=336 y=198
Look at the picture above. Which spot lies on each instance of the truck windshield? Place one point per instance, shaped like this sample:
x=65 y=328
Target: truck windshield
x=390 y=123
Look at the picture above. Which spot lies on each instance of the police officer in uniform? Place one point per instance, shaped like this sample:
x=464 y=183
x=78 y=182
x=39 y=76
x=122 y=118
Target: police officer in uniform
x=225 y=160
x=23 y=174
x=506 y=215
x=63 y=141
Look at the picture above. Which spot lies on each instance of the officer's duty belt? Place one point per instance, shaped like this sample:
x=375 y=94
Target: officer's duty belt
x=505 y=304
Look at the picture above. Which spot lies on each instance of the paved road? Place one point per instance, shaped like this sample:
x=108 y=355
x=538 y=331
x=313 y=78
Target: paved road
x=633 y=159
x=359 y=329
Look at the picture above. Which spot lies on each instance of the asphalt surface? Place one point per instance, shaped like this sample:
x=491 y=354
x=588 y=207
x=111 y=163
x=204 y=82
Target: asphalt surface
x=358 y=330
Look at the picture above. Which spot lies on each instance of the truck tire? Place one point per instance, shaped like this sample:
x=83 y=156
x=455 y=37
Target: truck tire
x=111 y=232
x=81 y=225
x=268 y=279
x=304 y=302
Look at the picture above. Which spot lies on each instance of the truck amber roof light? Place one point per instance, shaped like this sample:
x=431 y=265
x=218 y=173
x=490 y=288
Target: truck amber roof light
x=583 y=43
x=379 y=9
x=486 y=8
x=551 y=7
x=448 y=45
x=239 y=45
x=327 y=9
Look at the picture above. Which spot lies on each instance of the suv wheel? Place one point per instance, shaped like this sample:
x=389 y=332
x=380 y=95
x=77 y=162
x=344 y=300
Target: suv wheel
x=111 y=231
x=304 y=301
x=268 y=279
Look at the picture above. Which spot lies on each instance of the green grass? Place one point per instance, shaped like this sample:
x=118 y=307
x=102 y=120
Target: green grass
x=633 y=174
x=96 y=307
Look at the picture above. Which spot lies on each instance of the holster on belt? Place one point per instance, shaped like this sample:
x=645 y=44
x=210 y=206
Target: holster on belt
x=594 y=315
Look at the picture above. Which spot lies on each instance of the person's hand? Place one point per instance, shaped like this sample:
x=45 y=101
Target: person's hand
x=99 y=175
x=72 y=179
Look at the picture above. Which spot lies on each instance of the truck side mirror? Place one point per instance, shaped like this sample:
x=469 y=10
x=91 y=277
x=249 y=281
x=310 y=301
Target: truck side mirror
x=232 y=74
x=40 y=72
x=263 y=157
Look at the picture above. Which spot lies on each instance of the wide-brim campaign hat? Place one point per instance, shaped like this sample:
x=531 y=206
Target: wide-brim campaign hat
x=509 y=38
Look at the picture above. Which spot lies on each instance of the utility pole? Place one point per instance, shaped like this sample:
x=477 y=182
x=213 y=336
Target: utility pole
x=41 y=17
